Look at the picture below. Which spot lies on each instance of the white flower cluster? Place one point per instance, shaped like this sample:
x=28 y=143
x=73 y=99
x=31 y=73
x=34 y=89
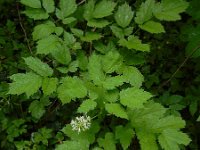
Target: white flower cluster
x=81 y=123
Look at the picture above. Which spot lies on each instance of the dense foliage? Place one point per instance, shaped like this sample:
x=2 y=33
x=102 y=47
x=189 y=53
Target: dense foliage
x=106 y=74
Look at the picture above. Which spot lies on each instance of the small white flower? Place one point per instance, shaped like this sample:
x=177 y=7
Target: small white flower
x=81 y=123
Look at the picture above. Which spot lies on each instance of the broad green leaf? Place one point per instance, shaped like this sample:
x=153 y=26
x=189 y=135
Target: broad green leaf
x=48 y=5
x=36 y=14
x=28 y=83
x=49 y=85
x=31 y=3
x=48 y=44
x=134 y=43
x=128 y=31
x=125 y=135
x=91 y=36
x=124 y=15
x=95 y=69
x=73 y=145
x=134 y=97
x=108 y=143
x=43 y=30
x=37 y=109
x=145 y=13
x=42 y=136
x=69 y=20
x=112 y=61
x=77 y=32
x=171 y=138
x=133 y=76
x=71 y=88
x=38 y=66
x=59 y=31
x=103 y=8
x=118 y=32
x=111 y=83
x=117 y=110
x=98 y=23
x=112 y=95
x=89 y=9
x=69 y=39
x=152 y=27
x=169 y=10
x=147 y=140
x=87 y=105
x=67 y=7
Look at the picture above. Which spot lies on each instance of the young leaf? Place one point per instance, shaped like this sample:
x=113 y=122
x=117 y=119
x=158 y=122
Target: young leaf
x=71 y=88
x=124 y=15
x=169 y=10
x=125 y=135
x=117 y=110
x=108 y=143
x=28 y=83
x=38 y=66
x=87 y=105
x=103 y=8
x=171 y=138
x=36 y=14
x=134 y=98
x=152 y=27
x=67 y=7
x=31 y=3
x=48 y=5
x=49 y=85
x=145 y=12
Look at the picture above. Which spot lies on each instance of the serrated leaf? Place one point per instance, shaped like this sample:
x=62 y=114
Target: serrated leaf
x=89 y=8
x=49 y=85
x=48 y=44
x=145 y=12
x=169 y=10
x=98 y=23
x=38 y=66
x=103 y=8
x=59 y=31
x=43 y=30
x=71 y=88
x=124 y=15
x=118 y=32
x=171 y=138
x=77 y=32
x=95 y=69
x=82 y=60
x=147 y=140
x=31 y=3
x=111 y=83
x=91 y=36
x=36 y=14
x=134 y=97
x=125 y=135
x=48 y=5
x=108 y=143
x=69 y=20
x=73 y=145
x=87 y=105
x=28 y=83
x=152 y=27
x=134 y=43
x=66 y=8
x=37 y=109
x=117 y=110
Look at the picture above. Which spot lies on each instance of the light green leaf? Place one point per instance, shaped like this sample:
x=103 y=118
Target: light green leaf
x=87 y=105
x=98 y=23
x=134 y=98
x=91 y=36
x=36 y=14
x=124 y=15
x=43 y=30
x=71 y=88
x=48 y=5
x=118 y=32
x=128 y=31
x=108 y=143
x=125 y=135
x=103 y=8
x=117 y=110
x=77 y=32
x=38 y=66
x=48 y=44
x=147 y=140
x=31 y=3
x=134 y=43
x=88 y=11
x=49 y=85
x=112 y=82
x=67 y=7
x=69 y=20
x=145 y=12
x=171 y=138
x=73 y=145
x=152 y=27
x=59 y=31
x=95 y=69
x=28 y=83
x=169 y=10
x=82 y=60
